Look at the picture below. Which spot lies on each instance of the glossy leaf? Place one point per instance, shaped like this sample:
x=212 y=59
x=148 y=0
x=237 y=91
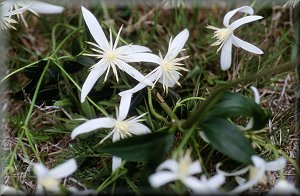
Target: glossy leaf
x=228 y=139
x=235 y=105
x=140 y=148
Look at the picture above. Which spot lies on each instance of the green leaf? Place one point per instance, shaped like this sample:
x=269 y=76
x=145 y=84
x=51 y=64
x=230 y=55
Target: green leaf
x=76 y=48
x=150 y=146
x=228 y=139
x=233 y=105
x=85 y=60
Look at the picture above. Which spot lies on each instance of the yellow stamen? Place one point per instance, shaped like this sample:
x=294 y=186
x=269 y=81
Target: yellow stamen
x=221 y=35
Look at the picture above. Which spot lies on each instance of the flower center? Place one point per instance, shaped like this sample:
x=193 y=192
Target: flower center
x=50 y=183
x=167 y=66
x=253 y=172
x=111 y=55
x=184 y=164
x=220 y=34
x=123 y=129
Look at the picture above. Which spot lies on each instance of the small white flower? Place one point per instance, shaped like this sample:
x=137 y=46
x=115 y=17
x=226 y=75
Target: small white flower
x=225 y=37
x=172 y=170
x=49 y=179
x=283 y=187
x=35 y=7
x=121 y=128
x=111 y=56
x=256 y=172
x=6 y=190
x=167 y=73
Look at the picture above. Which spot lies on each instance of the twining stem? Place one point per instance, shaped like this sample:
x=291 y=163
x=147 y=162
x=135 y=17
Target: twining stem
x=197 y=116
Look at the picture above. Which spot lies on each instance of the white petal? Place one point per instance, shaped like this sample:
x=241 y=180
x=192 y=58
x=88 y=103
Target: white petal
x=228 y=16
x=240 y=180
x=63 y=170
x=256 y=94
x=124 y=106
x=216 y=181
x=226 y=55
x=131 y=49
x=258 y=162
x=45 y=8
x=276 y=165
x=177 y=44
x=282 y=187
x=116 y=136
x=143 y=57
x=133 y=72
x=192 y=182
x=169 y=164
x=116 y=162
x=235 y=173
x=245 y=45
x=170 y=82
x=160 y=178
x=244 y=20
x=250 y=183
x=138 y=129
x=92 y=78
x=40 y=170
x=93 y=124
x=194 y=168
x=6 y=190
x=95 y=28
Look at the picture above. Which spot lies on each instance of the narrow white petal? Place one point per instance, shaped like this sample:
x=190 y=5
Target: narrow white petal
x=240 y=180
x=6 y=190
x=244 y=20
x=63 y=170
x=131 y=49
x=256 y=94
x=116 y=162
x=169 y=164
x=160 y=178
x=95 y=28
x=40 y=170
x=282 y=187
x=245 y=45
x=250 y=183
x=45 y=8
x=177 y=44
x=170 y=82
x=92 y=78
x=258 y=162
x=124 y=106
x=276 y=165
x=234 y=173
x=133 y=72
x=116 y=136
x=228 y=16
x=143 y=57
x=192 y=182
x=138 y=129
x=216 y=181
x=226 y=55
x=194 y=168
x=92 y=125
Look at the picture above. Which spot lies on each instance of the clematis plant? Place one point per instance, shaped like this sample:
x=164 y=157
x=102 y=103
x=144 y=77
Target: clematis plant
x=256 y=172
x=49 y=179
x=111 y=56
x=226 y=38
x=122 y=127
x=35 y=7
x=167 y=73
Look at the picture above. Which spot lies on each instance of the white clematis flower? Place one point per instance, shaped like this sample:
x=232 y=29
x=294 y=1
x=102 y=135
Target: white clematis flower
x=167 y=73
x=256 y=172
x=49 y=179
x=122 y=127
x=226 y=39
x=6 y=21
x=111 y=56
x=35 y=7
x=172 y=170
x=283 y=187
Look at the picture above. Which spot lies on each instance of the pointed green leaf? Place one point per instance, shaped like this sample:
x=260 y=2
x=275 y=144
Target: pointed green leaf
x=140 y=148
x=228 y=139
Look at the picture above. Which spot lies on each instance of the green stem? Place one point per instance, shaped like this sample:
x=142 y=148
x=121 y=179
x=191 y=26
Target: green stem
x=153 y=112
